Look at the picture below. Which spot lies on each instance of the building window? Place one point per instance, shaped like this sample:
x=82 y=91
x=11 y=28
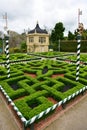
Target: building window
x=42 y=39
x=31 y=39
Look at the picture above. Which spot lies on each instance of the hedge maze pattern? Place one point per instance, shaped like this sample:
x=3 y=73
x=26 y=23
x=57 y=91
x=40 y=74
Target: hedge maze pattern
x=31 y=90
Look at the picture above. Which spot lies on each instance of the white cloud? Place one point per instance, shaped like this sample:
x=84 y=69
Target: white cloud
x=23 y=14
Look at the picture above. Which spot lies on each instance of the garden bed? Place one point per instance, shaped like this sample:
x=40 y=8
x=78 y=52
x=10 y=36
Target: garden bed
x=33 y=92
x=56 y=75
x=32 y=75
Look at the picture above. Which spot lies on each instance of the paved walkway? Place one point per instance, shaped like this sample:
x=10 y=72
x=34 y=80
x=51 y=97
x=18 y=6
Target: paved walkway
x=73 y=119
x=7 y=121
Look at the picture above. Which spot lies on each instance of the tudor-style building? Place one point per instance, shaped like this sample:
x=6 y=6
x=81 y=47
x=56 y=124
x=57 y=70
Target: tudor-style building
x=37 y=40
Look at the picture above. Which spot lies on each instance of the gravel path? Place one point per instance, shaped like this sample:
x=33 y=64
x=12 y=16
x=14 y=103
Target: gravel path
x=7 y=121
x=73 y=119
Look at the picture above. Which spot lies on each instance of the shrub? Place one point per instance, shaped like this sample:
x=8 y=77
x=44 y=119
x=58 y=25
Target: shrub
x=69 y=76
x=28 y=88
x=54 y=93
x=23 y=107
x=7 y=87
x=83 y=81
x=28 y=70
x=37 y=110
x=73 y=90
x=17 y=94
x=66 y=81
x=16 y=50
x=38 y=86
x=15 y=79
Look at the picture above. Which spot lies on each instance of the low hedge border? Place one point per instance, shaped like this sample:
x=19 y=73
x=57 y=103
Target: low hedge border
x=43 y=104
x=24 y=85
x=14 y=94
x=19 y=61
x=14 y=107
x=53 y=93
x=43 y=113
x=30 y=98
x=45 y=90
x=53 y=107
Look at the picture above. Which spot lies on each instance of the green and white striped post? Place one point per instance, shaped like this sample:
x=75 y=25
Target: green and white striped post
x=78 y=56
x=7 y=54
x=79 y=31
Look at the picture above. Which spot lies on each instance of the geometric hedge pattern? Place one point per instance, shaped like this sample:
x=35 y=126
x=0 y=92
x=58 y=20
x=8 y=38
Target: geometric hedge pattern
x=31 y=89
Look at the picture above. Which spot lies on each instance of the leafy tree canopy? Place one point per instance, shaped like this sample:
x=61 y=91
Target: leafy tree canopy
x=58 y=32
x=71 y=36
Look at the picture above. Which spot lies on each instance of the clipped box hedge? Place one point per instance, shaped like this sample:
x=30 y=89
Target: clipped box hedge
x=40 y=88
x=54 y=93
x=26 y=110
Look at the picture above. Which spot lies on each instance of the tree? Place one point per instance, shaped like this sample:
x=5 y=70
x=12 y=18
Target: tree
x=71 y=36
x=56 y=34
x=23 y=46
x=84 y=34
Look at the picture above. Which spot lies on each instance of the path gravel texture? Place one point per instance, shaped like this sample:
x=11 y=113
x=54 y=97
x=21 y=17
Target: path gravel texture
x=7 y=121
x=73 y=119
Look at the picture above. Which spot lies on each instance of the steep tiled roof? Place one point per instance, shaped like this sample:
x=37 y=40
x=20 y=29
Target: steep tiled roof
x=38 y=30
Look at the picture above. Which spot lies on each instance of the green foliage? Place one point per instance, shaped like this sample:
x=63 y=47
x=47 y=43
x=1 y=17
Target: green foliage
x=84 y=34
x=15 y=79
x=23 y=107
x=16 y=50
x=71 y=46
x=56 y=34
x=32 y=95
x=23 y=47
x=46 y=104
x=29 y=70
x=68 y=46
x=71 y=36
x=18 y=94
x=54 y=93
x=6 y=86
x=27 y=87
x=26 y=110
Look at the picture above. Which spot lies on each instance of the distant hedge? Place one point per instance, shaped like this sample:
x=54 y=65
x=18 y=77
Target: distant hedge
x=71 y=46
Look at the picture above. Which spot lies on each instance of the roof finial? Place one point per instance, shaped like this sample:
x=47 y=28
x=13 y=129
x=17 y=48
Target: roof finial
x=37 y=21
x=37 y=25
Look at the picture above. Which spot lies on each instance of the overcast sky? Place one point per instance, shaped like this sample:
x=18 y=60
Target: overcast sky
x=24 y=14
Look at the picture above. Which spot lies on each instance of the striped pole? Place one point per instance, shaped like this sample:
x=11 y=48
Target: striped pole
x=78 y=56
x=7 y=55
